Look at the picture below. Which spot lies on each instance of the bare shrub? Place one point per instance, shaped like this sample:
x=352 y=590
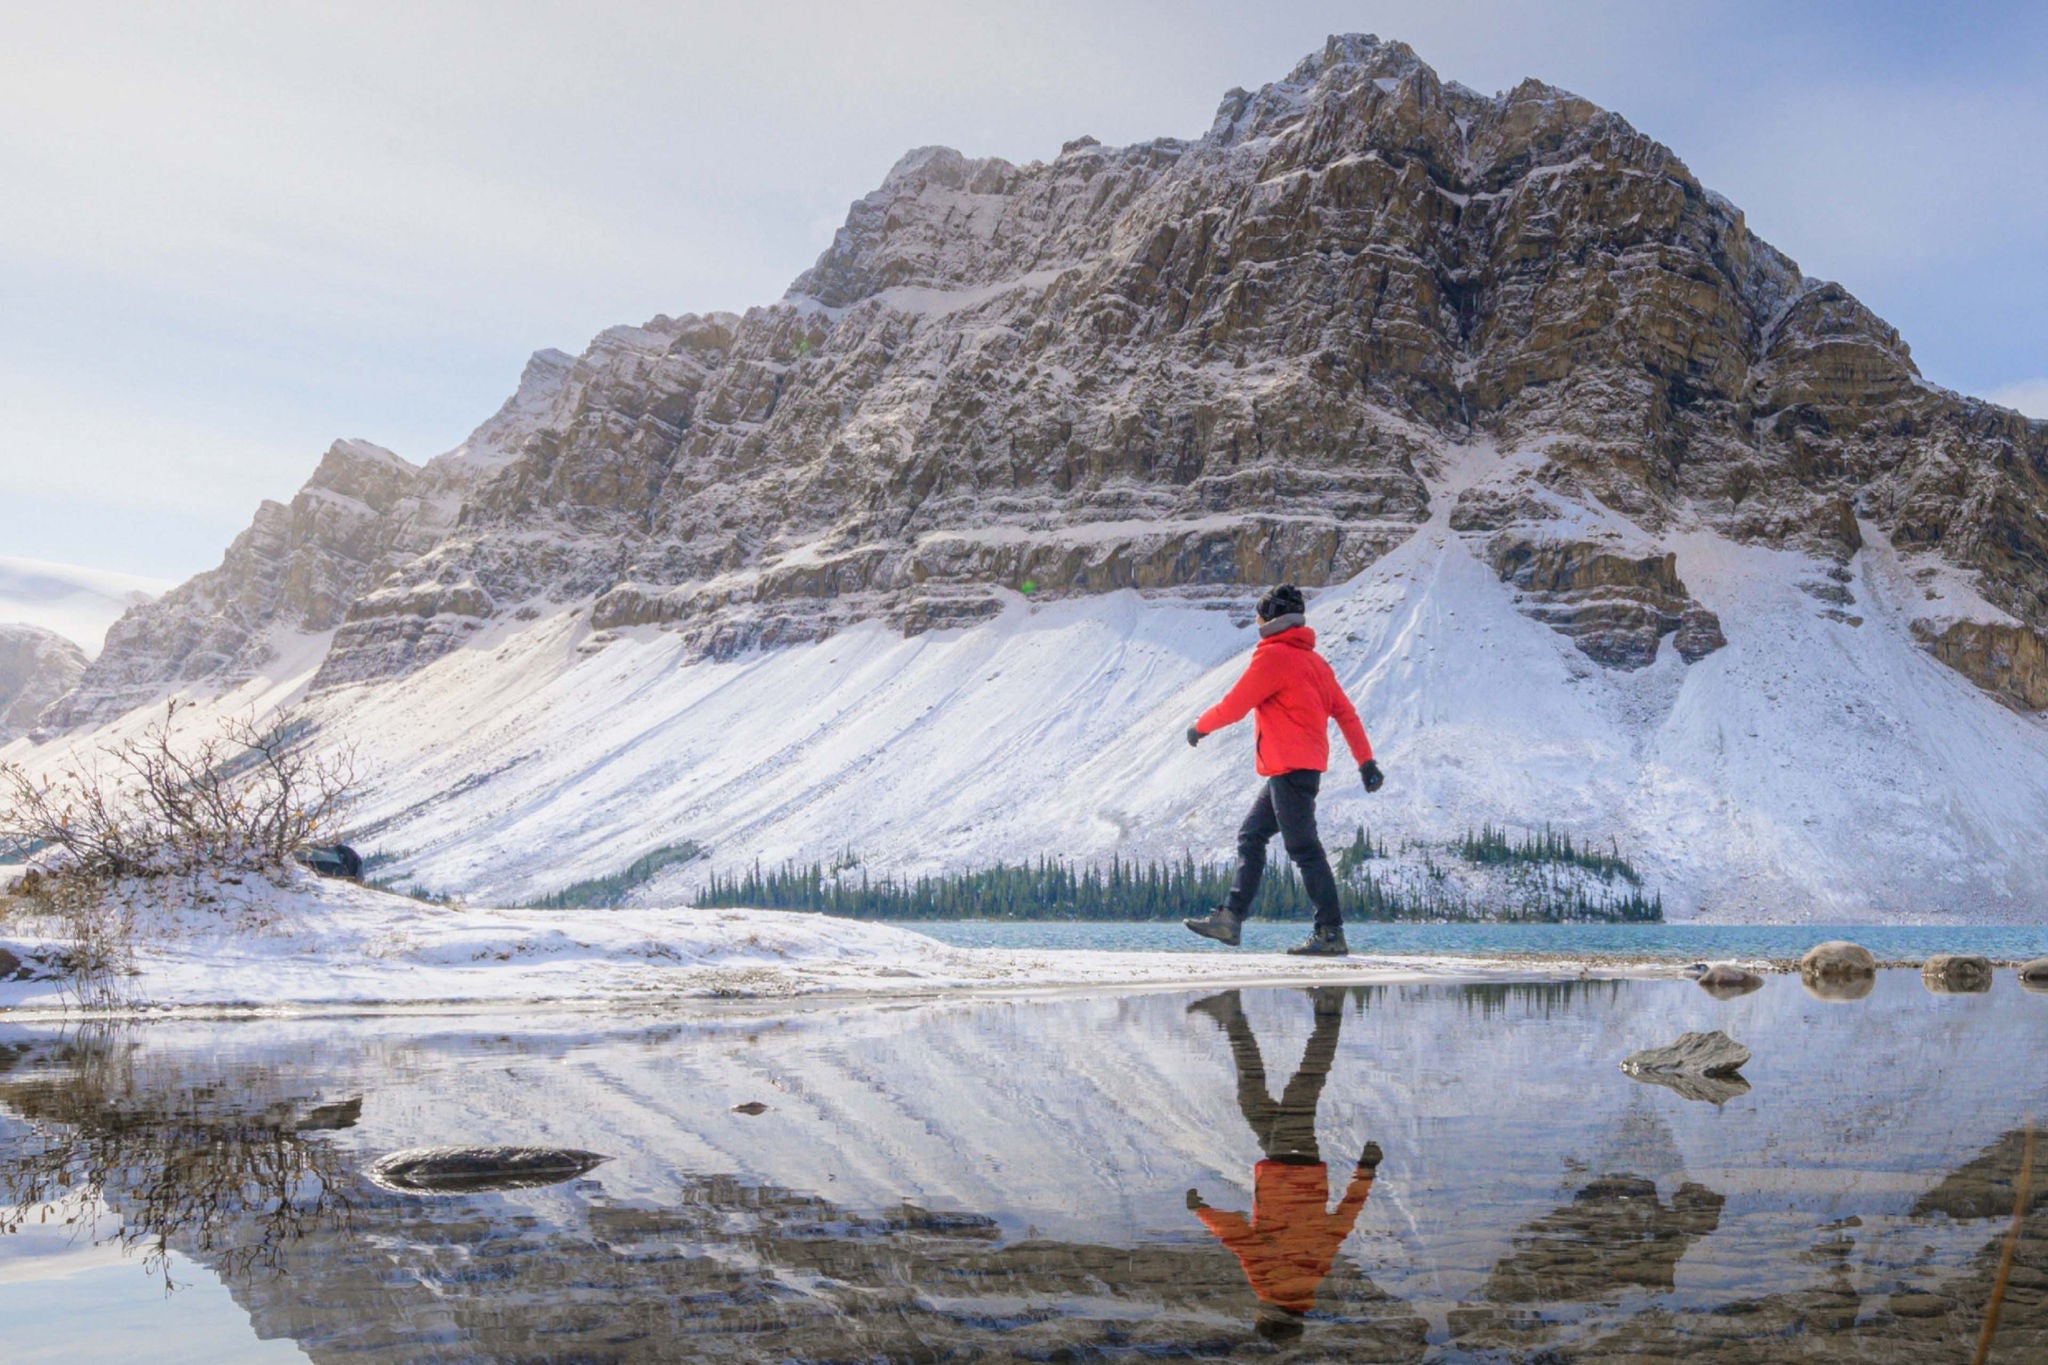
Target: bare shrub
x=237 y=799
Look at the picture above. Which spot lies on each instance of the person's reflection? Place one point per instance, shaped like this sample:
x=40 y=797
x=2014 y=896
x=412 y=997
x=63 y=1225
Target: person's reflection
x=1290 y=1241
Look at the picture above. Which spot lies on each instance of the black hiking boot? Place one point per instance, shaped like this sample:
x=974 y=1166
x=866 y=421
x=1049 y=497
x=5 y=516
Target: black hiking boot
x=1321 y=943
x=1222 y=924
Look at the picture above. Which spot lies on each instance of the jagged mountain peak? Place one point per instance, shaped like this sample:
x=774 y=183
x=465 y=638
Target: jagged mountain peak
x=1374 y=333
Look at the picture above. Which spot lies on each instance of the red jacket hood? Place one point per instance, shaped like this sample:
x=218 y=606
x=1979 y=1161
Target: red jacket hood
x=1301 y=637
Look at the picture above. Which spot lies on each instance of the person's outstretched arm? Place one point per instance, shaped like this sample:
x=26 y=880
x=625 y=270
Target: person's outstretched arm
x=1229 y=1228
x=1260 y=681
x=1349 y=1207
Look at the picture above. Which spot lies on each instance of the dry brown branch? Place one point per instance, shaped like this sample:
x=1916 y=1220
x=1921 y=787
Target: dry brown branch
x=2012 y=1242
x=240 y=798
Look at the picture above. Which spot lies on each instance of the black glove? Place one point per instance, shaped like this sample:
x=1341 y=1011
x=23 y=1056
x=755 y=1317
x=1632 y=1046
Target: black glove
x=1370 y=771
x=1195 y=1201
x=1369 y=1159
x=1194 y=736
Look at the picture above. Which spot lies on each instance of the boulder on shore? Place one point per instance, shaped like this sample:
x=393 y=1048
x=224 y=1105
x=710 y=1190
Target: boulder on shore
x=1837 y=960
x=465 y=1170
x=1725 y=980
x=1956 y=973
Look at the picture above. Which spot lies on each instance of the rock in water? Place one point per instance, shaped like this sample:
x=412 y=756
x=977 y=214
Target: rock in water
x=1725 y=980
x=2034 y=975
x=1698 y=1054
x=1956 y=973
x=1837 y=960
x=1699 y=1066
x=465 y=1170
x=1838 y=990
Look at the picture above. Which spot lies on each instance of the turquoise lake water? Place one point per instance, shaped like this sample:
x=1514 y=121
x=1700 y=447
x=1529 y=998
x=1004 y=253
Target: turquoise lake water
x=1676 y=942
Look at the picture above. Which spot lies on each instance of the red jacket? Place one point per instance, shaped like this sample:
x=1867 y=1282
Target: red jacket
x=1295 y=694
x=1289 y=1244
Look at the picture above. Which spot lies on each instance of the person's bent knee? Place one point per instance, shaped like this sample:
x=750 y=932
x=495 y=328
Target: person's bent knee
x=1306 y=852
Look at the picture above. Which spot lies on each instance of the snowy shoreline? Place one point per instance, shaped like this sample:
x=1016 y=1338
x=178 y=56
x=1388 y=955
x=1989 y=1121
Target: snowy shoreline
x=313 y=947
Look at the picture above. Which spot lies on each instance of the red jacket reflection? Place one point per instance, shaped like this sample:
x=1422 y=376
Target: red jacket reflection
x=1290 y=1242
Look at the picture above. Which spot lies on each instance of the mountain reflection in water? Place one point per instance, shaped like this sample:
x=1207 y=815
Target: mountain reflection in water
x=1013 y=1180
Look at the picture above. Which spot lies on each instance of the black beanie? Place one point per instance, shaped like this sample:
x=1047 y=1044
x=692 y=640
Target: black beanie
x=1284 y=600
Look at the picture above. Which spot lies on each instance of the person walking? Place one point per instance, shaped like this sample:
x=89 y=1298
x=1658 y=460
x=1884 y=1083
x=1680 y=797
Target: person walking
x=1290 y=1240
x=1293 y=696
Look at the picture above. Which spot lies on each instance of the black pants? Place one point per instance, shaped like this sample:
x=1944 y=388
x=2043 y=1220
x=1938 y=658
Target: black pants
x=1286 y=807
x=1286 y=1127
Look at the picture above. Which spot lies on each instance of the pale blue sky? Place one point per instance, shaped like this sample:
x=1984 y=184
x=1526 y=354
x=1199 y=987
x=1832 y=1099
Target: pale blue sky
x=231 y=233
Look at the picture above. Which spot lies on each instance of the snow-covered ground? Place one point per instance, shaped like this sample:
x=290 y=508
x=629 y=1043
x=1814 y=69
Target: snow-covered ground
x=1813 y=770
x=325 y=945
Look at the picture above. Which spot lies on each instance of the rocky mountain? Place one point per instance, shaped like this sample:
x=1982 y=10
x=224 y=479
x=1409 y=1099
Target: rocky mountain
x=37 y=667
x=1367 y=310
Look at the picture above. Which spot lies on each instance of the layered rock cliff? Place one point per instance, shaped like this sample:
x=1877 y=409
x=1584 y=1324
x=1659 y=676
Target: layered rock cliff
x=1182 y=366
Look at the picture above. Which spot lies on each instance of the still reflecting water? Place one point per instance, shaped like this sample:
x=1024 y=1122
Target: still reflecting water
x=1424 y=1173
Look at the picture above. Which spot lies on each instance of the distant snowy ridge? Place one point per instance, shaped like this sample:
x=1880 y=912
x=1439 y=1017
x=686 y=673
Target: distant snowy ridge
x=76 y=603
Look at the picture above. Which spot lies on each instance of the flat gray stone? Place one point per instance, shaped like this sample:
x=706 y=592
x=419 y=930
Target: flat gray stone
x=1694 y=1054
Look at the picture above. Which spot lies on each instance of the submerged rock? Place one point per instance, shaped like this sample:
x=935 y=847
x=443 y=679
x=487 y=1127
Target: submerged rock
x=1837 y=960
x=1956 y=973
x=1696 y=1054
x=331 y=1117
x=1725 y=980
x=1839 y=989
x=463 y=1170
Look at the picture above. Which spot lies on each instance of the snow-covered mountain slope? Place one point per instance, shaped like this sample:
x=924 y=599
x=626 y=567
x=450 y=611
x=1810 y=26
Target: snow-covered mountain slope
x=1620 y=522
x=76 y=603
x=1810 y=770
